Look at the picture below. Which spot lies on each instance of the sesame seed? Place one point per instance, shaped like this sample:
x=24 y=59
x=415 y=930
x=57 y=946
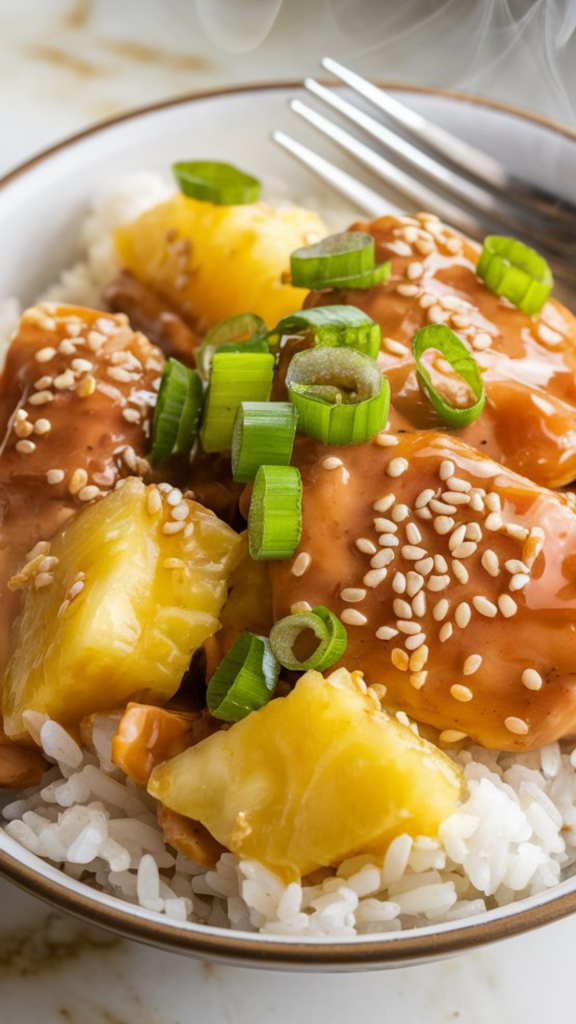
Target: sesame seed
x=476 y=502
x=410 y=234
x=153 y=501
x=441 y=609
x=23 y=428
x=517 y=532
x=399 y=659
x=460 y=571
x=473 y=532
x=386 y=633
x=457 y=537
x=396 y=467
x=465 y=550
x=516 y=725
x=492 y=502
x=75 y=589
x=442 y=508
x=366 y=546
x=374 y=577
x=82 y=365
x=332 y=462
x=171 y=527
x=408 y=627
x=423 y=513
x=385 y=440
x=532 y=679
x=419 y=604
x=44 y=355
x=452 y=736
x=379 y=689
x=174 y=497
x=300 y=606
x=460 y=321
x=410 y=290
x=78 y=480
x=437 y=583
x=481 y=341
x=424 y=246
x=418 y=658
x=180 y=511
x=424 y=497
x=424 y=565
x=352 y=617
x=42 y=426
x=494 y=521
x=484 y=606
x=383 y=504
x=454 y=483
x=413 y=553
x=399 y=513
x=414 y=583
x=25 y=447
x=437 y=315
x=413 y=642
x=426 y=300
x=55 y=476
x=87 y=387
x=401 y=608
x=67 y=347
x=440 y=563
x=89 y=493
x=64 y=381
x=353 y=594
x=388 y=540
x=385 y=526
x=456 y=498
x=463 y=614
x=443 y=525
x=517 y=582
x=395 y=348
x=131 y=415
x=413 y=535
x=414 y=270
x=417 y=679
x=507 y=606
x=472 y=664
x=47 y=564
x=445 y=632
x=461 y=693
x=447 y=469
x=382 y=558
x=41 y=398
x=514 y=565
x=43 y=579
x=302 y=563
x=399 y=583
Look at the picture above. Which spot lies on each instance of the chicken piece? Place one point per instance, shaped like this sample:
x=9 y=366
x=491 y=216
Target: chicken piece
x=455 y=578
x=189 y=837
x=147 y=736
x=528 y=363
x=75 y=403
x=20 y=766
x=153 y=315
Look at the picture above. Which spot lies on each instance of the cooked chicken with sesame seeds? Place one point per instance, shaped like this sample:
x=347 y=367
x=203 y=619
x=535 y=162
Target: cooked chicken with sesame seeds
x=528 y=363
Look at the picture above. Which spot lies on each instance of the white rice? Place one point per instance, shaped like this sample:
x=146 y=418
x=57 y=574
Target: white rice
x=513 y=835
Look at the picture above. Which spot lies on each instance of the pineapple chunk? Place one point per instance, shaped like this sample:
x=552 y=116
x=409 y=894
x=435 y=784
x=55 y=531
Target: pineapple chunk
x=215 y=261
x=311 y=779
x=128 y=606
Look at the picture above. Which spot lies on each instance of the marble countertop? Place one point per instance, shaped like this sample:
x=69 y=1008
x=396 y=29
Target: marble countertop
x=67 y=63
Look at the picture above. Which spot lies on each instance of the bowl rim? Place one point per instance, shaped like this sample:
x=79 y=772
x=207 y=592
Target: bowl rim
x=253 y=949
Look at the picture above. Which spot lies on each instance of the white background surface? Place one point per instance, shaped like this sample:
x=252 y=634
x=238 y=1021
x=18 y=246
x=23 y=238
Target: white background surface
x=64 y=64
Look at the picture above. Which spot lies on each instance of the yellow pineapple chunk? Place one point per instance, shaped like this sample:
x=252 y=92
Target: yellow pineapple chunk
x=128 y=605
x=213 y=261
x=311 y=779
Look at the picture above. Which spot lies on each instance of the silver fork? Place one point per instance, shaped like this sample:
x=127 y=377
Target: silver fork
x=436 y=171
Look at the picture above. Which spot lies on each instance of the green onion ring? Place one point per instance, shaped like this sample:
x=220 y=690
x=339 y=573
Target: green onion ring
x=331 y=635
x=345 y=260
x=263 y=435
x=341 y=396
x=245 y=332
x=441 y=338
x=333 y=326
x=515 y=271
x=275 y=515
x=177 y=412
x=235 y=377
x=245 y=679
x=215 y=182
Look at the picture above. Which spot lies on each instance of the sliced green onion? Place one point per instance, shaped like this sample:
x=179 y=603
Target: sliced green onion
x=334 y=326
x=328 y=630
x=245 y=332
x=341 y=396
x=263 y=436
x=345 y=260
x=518 y=273
x=215 y=182
x=235 y=377
x=245 y=679
x=275 y=516
x=441 y=338
x=177 y=412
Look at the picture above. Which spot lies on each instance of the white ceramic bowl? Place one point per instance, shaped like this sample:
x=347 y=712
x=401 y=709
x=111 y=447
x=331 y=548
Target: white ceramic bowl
x=41 y=205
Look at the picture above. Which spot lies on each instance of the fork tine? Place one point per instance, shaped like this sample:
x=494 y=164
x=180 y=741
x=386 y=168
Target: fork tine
x=488 y=202
x=368 y=201
x=472 y=161
x=418 y=193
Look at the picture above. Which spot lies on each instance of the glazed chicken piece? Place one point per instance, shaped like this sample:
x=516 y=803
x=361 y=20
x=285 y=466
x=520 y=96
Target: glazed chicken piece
x=151 y=313
x=528 y=363
x=75 y=401
x=455 y=578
